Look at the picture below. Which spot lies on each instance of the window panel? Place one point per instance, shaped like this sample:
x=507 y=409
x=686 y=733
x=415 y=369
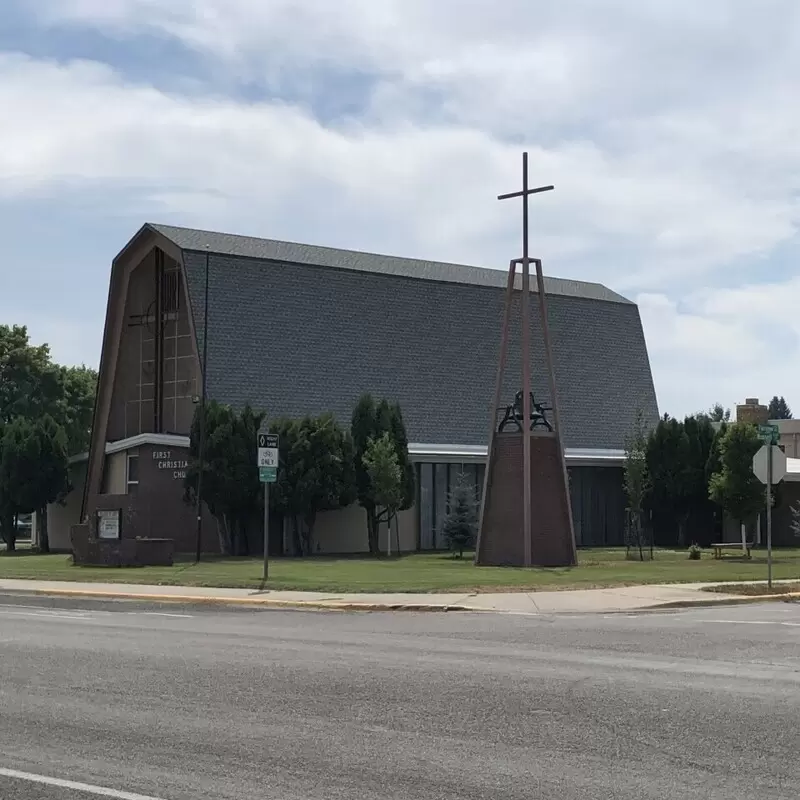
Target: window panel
x=133 y=468
x=440 y=503
x=426 y=507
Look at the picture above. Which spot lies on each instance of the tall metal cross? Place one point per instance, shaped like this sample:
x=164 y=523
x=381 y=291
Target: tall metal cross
x=525 y=194
x=526 y=352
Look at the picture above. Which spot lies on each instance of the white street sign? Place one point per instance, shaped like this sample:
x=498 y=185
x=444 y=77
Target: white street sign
x=267 y=450
x=761 y=465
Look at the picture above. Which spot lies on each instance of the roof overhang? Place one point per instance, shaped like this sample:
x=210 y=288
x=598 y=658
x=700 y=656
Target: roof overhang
x=158 y=439
x=466 y=454
x=420 y=453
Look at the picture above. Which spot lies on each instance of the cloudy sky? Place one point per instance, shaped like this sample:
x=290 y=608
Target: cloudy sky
x=671 y=129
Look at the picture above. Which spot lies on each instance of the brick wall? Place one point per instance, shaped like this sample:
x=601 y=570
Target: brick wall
x=752 y=411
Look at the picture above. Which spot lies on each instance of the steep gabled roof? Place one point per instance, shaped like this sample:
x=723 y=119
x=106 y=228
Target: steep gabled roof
x=227 y=244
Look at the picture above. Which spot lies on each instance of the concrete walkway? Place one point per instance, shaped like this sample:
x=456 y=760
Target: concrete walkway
x=627 y=598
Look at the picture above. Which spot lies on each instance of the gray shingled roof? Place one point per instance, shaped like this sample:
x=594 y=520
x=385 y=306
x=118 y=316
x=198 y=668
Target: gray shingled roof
x=228 y=244
x=297 y=329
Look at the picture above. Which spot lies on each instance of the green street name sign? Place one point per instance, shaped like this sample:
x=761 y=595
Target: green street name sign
x=769 y=434
x=267 y=474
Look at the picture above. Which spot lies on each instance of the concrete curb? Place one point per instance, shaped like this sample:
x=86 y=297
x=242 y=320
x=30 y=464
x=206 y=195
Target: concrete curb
x=253 y=602
x=349 y=605
x=728 y=601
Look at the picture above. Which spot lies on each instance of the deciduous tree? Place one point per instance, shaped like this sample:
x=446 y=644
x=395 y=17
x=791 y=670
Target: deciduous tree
x=718 y=413
x=370 y=421
x=734 y=487
x=31 y=385
x=386 y=479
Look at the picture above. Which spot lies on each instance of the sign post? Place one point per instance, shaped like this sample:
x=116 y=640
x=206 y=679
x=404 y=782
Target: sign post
x=769 y=466
x=267 y=474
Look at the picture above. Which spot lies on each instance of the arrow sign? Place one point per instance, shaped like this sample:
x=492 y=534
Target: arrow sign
x=761 y=464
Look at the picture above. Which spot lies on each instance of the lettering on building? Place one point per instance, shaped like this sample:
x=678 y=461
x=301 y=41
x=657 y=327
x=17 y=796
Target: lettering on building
x=165 y=460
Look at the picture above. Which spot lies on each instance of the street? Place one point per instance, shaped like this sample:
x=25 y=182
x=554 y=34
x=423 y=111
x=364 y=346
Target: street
x=130 y=701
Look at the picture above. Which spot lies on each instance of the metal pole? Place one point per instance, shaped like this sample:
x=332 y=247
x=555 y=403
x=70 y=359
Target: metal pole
x=769 y=517
x=202 y=444
x=526 y=369
x=266 y=532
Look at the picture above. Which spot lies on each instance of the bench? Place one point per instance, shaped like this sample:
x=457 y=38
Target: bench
x=720 y=546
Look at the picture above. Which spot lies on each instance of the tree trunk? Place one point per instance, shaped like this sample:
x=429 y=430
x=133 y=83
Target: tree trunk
x=8 y=532
x=639 y=535
x=297 y=542
x=44 y=535
x=224 y=536
x=396 y=534
x=372 y=530
x=239 y=534
x=682 y=520
x=310 y=520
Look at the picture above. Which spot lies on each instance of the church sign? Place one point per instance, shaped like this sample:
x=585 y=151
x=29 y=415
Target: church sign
x=165 y=461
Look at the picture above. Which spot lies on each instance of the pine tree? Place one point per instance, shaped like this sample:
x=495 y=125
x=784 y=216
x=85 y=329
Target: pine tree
x=779 y=409
x=460 y=526
x=794 y=525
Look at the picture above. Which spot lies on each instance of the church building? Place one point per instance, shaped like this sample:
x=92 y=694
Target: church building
x=297 y=329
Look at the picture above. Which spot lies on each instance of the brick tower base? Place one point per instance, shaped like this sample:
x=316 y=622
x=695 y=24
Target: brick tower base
x=502 y=539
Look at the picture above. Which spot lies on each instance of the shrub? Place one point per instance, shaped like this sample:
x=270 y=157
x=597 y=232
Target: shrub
x=461 y=523
x=695 y=552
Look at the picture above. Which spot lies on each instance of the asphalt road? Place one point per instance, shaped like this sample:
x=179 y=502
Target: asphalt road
x=180 y=703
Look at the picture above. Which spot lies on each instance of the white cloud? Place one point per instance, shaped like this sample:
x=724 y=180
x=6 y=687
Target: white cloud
x=669 y=128
x=724 y=345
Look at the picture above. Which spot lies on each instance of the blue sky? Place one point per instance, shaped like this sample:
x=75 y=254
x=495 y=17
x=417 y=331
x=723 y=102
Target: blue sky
x=670 y=129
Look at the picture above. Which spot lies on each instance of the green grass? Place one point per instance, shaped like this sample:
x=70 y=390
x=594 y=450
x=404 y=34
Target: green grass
x=413 y=573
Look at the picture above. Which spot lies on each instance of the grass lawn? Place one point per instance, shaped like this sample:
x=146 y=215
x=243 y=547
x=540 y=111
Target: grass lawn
x=414 y=573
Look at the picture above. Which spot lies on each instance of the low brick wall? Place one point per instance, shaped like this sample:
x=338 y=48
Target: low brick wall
x=90 y=551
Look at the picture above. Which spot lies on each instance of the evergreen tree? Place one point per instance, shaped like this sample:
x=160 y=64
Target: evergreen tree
x=460 y=525
x=700 y=434
x=315 y=474
x=668 y=466
x=230 y=488
x=400 y=441
x=637 y=483
x=778 y=408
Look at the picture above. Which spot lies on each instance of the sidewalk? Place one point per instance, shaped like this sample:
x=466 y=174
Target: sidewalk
x=595 y=601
